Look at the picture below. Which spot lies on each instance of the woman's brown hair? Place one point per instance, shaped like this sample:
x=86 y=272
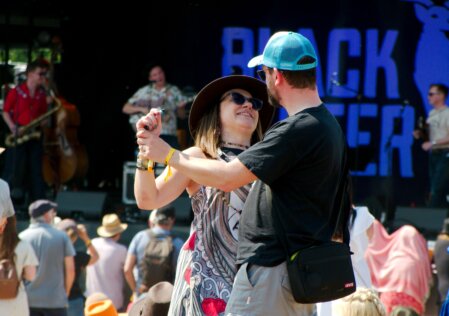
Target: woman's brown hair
x=9 y=239
x=208 y=135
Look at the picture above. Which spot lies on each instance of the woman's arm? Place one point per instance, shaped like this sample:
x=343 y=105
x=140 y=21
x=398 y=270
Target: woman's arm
x=153 y=193
x=29 y=273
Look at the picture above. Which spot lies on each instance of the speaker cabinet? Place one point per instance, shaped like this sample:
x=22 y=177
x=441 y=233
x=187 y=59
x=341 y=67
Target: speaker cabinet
x=89 y=205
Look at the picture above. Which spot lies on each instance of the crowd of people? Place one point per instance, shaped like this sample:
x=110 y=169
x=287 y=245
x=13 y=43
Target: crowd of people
x=260 y=195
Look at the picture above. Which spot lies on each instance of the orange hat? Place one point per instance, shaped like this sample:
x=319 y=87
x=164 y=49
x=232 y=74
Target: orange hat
x=101 y=308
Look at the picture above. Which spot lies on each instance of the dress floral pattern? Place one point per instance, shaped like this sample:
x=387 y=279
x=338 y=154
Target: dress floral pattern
x=206 y=264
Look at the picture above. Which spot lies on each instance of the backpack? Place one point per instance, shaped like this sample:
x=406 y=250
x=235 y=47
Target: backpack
x=157 y=263
x=9 y=282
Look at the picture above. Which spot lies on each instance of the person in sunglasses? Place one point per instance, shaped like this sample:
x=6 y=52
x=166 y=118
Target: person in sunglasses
x=26 y=102
x=437 y=145
x=227 y=117
x=301 y=161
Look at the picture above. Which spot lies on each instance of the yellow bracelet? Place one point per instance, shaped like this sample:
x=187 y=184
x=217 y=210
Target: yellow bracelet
x=150 y=166
x=167 y=160
x=88 y=243
x=169 y=155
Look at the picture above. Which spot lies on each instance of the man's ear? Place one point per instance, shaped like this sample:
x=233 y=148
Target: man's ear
x=278 y=77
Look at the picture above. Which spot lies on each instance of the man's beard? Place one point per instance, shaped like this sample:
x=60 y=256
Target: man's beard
x=273 y=98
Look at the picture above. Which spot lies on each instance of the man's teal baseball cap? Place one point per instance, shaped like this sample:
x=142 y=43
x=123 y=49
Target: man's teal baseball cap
x=284 y=50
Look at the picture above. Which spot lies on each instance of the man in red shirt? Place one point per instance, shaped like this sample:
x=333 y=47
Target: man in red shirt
x=23 y=104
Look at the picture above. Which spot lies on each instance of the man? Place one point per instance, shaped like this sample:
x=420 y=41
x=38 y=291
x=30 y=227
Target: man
x=47 y=294
x=23 y=104
x=301 y=159
x=437 y=145
x=106 y=275
x=162 y=222
x=158 y=94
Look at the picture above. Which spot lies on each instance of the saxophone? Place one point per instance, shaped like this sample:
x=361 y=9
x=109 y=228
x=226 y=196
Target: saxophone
x=28 y=132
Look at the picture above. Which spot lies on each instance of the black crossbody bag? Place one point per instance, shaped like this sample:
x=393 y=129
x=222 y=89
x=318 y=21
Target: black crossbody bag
x=322 y=271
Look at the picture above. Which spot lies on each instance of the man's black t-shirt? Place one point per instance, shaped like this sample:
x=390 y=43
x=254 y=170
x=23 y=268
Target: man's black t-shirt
x=301 y=160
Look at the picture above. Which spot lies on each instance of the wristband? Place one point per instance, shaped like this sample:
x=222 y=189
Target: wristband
x=167 y=160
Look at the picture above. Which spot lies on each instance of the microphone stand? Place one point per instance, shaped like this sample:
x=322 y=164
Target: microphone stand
x=390 y=205
x=359 y=97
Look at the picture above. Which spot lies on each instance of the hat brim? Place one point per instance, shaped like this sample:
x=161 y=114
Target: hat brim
x=210 y=95
x=255 y=61
x=103 y=232
x=2 y=149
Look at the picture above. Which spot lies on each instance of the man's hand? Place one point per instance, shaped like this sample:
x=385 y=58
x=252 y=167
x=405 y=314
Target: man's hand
x=426 y=146
x=417 y=134
x=148 y=131
x=150 y=122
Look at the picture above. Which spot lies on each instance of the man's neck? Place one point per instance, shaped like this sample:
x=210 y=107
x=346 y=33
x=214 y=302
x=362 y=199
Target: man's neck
x=439 y=106
x=31 y=86
x=297 y=100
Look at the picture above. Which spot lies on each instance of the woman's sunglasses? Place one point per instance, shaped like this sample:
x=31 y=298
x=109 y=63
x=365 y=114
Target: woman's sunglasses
x=240 y=99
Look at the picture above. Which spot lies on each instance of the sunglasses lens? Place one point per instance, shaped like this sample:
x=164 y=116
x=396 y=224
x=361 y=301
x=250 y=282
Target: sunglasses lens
x=237 y=98
x=240 y=99
x=257 y=104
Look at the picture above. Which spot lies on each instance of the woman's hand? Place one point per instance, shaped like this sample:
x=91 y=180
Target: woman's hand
x=151 y=122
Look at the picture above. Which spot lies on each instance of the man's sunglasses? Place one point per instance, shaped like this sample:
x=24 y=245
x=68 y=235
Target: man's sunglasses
x=42 y=74
x=262 y=75
x=240 y=99
x=430 y=94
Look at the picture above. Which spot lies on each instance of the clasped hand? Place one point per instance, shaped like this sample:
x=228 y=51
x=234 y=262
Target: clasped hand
x=151 y=146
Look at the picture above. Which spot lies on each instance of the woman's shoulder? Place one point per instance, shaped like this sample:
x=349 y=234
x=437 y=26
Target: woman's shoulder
x=195 y=152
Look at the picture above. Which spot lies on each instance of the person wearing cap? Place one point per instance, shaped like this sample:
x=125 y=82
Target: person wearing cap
x=300 y=160
x=163 y=222
x=106 y=275
x=228 y=115
x=16 y=250
x=82 y=260
x=48 y=292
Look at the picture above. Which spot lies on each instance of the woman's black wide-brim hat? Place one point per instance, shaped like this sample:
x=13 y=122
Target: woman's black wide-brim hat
x=210 y=95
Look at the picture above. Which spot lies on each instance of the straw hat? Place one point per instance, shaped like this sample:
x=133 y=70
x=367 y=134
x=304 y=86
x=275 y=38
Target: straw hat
x=111 y=226
x=101 y=308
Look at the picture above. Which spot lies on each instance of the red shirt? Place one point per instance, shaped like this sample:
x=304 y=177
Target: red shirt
x=21 y=107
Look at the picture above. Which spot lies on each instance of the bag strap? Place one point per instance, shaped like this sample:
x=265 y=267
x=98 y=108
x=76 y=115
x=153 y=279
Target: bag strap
x=342 y=189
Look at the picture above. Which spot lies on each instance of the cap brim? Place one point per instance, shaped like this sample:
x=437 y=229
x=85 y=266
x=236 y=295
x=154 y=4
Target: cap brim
x=210 y=95
x=255 y=61
x=2 y=149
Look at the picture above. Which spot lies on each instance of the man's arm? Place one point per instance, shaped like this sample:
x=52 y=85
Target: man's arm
x=439 y=142
x=225 y=176
x=69 y=264
x=128 y=108
x=128 y=270
x=9 y=122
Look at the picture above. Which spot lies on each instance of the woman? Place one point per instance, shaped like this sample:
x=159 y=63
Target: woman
x=226 y=118
x=441 y=257
x=82 y=260
x=400 y=269
x=21 y=254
